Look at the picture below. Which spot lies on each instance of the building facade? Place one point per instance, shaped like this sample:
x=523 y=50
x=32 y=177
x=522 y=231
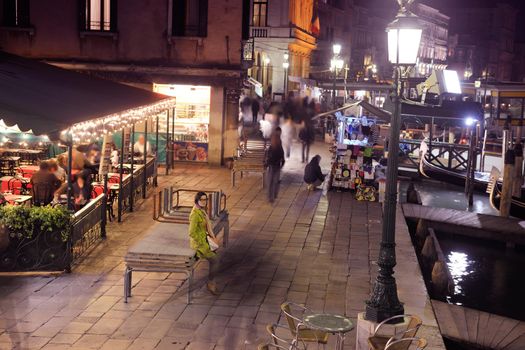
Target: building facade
x=335 y=17
x=281 y=31
x=484 y=46
x=433 y=50
x=164 y=43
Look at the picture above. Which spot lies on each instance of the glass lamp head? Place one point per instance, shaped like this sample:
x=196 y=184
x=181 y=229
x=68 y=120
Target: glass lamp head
x=404 y=37
x=336 y=49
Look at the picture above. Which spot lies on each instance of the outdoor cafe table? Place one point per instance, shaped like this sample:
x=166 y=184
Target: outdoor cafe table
x=17 y=199
x=335 y=324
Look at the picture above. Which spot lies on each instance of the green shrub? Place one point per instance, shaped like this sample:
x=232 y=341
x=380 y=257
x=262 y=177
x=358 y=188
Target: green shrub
x=26 y=221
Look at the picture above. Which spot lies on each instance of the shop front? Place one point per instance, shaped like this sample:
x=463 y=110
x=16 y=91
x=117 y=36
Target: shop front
x=196 y=125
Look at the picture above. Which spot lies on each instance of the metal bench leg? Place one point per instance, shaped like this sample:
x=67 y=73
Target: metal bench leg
x=126 y=279
x=226 y=233
x=190 y=282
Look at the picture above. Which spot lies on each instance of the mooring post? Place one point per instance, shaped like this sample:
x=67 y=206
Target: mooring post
x=506 y=191
x=518 y=169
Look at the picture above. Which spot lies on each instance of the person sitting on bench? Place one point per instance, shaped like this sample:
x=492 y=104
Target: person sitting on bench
x=202 y=239
x=312 y=173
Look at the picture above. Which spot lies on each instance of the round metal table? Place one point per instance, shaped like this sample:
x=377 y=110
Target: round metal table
x=335 y=324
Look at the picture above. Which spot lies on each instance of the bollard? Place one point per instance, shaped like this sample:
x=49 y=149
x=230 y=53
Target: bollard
x=421 y=232
x=428 y=252
x=506 y=191
x=412 y=195
x=518 y=170
x=440 y=277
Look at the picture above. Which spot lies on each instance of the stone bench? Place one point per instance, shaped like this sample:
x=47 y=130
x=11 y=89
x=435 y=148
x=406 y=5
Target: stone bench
x=165 y=248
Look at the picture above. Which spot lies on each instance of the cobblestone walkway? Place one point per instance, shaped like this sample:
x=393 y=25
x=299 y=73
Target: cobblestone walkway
x=307 y=247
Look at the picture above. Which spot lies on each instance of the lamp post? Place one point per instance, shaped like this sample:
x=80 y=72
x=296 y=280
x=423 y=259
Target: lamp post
x=266 y=69
x=336 y=64
x=404 y=35
x=286 y=65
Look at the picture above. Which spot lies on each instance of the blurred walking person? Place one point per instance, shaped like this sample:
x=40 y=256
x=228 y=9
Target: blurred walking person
x=274 y=162
x=287 y=136
x=255 y=110
x=307 y=136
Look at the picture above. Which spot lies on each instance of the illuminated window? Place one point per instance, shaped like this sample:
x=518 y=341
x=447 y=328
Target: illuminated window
x=260 y=11
x=190 y=18
x=15 y=13
x=100 y=15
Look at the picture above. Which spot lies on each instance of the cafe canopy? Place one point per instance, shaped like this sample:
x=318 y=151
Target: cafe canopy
x=49 y=101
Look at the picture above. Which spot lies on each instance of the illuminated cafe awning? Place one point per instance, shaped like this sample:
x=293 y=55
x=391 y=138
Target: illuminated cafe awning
x=48 y=100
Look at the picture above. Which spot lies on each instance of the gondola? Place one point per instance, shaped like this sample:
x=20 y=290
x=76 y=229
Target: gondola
x=517 y=206
x=429 y=170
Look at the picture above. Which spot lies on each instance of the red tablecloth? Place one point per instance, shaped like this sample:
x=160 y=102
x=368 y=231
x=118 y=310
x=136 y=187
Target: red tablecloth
x=27 y=171
x=12 y=184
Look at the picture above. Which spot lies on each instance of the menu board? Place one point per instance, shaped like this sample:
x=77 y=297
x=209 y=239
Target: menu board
x=127 y=142
x=105 y=155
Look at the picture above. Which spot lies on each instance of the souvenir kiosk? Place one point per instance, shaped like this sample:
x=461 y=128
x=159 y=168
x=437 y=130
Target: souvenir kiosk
x=357 y=152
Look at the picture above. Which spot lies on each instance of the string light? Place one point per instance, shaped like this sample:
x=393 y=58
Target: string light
x=94 y=129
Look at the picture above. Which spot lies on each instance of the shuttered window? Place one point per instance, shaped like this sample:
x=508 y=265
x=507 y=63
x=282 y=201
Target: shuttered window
x=98 y=15
x=190 y=18
x=15 y=13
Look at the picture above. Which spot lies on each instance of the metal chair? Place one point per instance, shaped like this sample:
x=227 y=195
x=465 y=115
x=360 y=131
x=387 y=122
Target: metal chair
x=279 y=342
x=393 y=344
x=298 y=329
x=379 y=341
x=270 y=346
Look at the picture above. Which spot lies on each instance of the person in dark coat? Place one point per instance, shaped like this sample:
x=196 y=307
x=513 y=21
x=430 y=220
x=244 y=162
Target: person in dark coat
x=43 y=185
x=313 y=175
x=274 y=162
x=307 y=136
x=255 y=110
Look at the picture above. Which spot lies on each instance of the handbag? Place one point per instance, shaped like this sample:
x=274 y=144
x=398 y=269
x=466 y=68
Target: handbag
x=211 y=242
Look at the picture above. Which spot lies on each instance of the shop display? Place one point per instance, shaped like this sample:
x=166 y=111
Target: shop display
x=355 y=158
x=192 y=118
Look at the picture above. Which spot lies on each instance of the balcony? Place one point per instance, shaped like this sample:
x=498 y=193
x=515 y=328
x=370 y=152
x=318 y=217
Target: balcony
x=282 y=33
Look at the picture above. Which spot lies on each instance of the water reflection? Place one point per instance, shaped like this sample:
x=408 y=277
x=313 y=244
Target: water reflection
x=458 y=265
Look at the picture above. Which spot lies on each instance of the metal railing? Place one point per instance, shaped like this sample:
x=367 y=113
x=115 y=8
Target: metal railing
x=88 y=227
x=171 y=200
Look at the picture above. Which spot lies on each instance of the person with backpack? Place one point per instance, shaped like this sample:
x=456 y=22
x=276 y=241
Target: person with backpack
x=274 y=162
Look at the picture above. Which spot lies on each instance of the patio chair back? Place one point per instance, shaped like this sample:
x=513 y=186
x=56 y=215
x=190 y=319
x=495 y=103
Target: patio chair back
x=270 y=346
x=279 y=342
x=404 y=343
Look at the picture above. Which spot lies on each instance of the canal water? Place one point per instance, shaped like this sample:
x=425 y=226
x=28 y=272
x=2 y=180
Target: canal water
x=487 y=275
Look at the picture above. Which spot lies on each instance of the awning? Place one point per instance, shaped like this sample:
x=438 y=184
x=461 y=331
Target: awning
x=449 y=110
x=373 y=110
x=47 y=99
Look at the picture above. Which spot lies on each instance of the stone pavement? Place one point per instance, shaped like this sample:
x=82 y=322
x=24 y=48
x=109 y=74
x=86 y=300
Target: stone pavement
x=307 y=248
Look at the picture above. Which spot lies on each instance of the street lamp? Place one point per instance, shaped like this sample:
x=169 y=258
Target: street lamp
x=286 y=65
x=336 y=64
x=404 y=36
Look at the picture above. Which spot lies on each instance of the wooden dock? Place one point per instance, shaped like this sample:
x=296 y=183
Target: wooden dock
x=483 y=329
x=508 y=230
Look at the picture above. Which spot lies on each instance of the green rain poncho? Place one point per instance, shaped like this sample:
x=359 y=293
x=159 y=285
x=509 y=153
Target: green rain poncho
x=198 y=233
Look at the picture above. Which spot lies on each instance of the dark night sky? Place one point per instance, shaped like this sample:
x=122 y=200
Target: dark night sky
x=447 y=7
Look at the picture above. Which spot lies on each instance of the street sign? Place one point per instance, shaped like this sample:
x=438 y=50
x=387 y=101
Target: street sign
x=477 y=84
